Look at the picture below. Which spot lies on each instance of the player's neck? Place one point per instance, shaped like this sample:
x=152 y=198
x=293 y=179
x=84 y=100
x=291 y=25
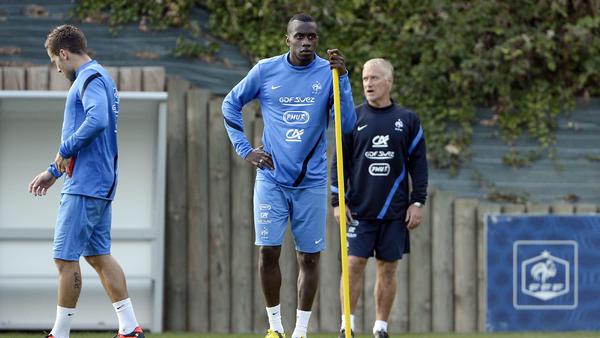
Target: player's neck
x=80 y=60
x=299 y=63
x=384 y=102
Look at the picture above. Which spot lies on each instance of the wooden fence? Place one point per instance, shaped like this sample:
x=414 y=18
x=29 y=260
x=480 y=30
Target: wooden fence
x=44 y=77
x=211 y=262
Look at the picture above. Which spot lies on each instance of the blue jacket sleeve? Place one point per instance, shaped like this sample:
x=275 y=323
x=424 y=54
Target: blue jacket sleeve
x=245 y=91
x=417 y=164
x=95 y=105
x=346 y=105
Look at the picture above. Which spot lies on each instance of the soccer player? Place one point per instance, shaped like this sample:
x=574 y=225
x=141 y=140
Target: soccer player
x=296 y=97
x=385 y=147
x=88 y=157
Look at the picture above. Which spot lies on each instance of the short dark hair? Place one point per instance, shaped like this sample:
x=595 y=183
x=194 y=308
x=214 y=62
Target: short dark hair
x=66 y=37
x=300 y=17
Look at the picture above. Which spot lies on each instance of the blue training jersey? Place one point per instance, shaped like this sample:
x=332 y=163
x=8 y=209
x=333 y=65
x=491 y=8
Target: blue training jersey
x=89 y=133
x=297 y=105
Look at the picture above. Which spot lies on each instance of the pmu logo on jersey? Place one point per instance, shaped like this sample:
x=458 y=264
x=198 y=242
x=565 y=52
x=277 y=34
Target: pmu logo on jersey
x=381 y=141
x=399 y=125
x=379 y=169
x=545 y=274
x=294 y=135
x=379 y=154
x=317 y=87
x=296 y=117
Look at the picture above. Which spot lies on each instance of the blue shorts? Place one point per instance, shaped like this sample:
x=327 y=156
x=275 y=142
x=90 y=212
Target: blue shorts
x=82 y=227
x=386 y=240
x=305 y=207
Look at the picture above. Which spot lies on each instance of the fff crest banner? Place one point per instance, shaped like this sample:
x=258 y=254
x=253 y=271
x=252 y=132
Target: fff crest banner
x=543 y=273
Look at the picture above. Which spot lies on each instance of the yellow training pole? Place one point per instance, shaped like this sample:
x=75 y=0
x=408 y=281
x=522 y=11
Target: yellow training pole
x=341 y=194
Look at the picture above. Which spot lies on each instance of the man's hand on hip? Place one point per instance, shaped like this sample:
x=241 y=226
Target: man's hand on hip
x=260 y=159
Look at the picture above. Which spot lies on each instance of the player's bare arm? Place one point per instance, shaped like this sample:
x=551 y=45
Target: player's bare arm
x=41 y=183
x=413 y=217
x=336 y=60
x=336 y=214
x=261 y=159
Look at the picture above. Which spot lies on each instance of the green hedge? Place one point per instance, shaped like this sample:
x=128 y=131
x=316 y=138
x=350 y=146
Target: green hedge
x=526 y=60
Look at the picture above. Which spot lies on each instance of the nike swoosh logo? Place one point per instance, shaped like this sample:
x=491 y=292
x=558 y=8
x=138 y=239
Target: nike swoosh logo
x=319 y=241
x=119 y=307
x=361 y=127
x=275 y=87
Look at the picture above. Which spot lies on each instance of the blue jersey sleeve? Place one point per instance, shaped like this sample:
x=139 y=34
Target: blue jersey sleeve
x=95 y=105
x=245 y=91
x=348 y=113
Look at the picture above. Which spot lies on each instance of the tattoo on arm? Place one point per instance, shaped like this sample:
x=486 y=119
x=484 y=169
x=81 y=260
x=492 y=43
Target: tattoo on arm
x=77 y=280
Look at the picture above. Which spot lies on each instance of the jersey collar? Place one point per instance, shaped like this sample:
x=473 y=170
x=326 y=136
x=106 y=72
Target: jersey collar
x=84 y=66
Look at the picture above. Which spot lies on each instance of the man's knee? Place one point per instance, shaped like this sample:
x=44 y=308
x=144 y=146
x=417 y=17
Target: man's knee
x=357 y=263
x=387 y=269
x=269 y=255
x=308 y=261
x=63 y=265
x=96 y=262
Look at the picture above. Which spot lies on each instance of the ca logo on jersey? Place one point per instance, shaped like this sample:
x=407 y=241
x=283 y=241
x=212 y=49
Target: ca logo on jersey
x=381 y=141
x=294 y=135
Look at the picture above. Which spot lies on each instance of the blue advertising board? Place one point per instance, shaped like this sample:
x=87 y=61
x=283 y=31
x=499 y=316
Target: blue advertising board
x=543 y=273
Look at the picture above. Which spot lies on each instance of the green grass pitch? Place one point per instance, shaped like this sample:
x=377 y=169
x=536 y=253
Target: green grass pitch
x=321 y=335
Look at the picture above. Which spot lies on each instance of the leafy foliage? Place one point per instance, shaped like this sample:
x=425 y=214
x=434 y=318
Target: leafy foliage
x=525 y=59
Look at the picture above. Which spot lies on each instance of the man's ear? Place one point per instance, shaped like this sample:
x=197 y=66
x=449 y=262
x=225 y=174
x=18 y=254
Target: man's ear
x=63 y=54
x=287 y=40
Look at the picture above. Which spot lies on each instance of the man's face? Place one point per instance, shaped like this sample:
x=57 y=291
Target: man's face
x=62 y=63
x=302 y=39
x=376 y=86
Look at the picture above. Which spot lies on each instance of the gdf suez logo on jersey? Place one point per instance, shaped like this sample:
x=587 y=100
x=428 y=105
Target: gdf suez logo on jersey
x=381 y=141
x=294 y=135
x=545 y=274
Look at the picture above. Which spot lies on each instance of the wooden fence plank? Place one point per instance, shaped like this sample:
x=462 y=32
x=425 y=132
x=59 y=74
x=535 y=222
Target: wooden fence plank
x=419 y=269
x=14 y=78
x=197 y=212
x=561 y=208
x=38 y=78
x=482 y=211
x=242 y=238
x=58 y=81
x=176 y=217
x=398 y=321
x=220 y=220
x=153 y=79
x=513 y=208
x=261 y=323
x=442 y=252
x=130 y=79
x=538 y=208
x=465 y=265
x=114 y=73
x=369 y=295
x=586 y=208
x=1 y=78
